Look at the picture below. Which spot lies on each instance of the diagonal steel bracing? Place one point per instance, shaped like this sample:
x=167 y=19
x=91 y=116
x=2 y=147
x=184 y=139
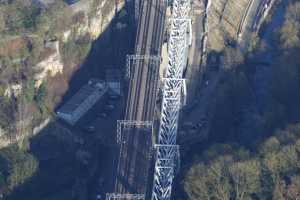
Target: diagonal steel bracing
x=167 y=155
x=165 y=166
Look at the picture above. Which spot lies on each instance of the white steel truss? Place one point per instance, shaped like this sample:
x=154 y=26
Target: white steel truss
x=165 y=167
x=113 y=196
x=171 y=103
x=167 y=152
x=133 y=60
x=129 y=124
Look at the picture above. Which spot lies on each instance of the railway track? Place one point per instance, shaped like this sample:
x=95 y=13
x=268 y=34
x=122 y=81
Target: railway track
x=143 y=74
x=134 y=152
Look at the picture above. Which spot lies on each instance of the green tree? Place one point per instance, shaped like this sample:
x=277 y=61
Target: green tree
x=214 y=182
x=41 y=94
x=17 y=165
x=246 y=179
x=289 y=33
x=293 y=189
x=29 y=91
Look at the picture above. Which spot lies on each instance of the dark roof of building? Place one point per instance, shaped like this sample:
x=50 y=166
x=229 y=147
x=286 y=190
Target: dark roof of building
x=82 y=95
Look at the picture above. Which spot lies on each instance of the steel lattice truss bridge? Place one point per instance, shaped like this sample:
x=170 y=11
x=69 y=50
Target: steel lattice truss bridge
x=166 y=151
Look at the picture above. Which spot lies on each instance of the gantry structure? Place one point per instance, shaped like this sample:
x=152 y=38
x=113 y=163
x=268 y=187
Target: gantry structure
x=167 y=152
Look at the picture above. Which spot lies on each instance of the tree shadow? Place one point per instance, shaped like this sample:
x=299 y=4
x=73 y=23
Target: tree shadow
x=107 y=51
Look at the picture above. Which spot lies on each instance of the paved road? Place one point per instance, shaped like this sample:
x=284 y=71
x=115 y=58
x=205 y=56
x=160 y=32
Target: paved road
x=135 y=151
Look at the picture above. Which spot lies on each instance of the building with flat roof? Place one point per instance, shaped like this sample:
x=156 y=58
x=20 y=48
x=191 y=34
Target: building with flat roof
x=82 y=101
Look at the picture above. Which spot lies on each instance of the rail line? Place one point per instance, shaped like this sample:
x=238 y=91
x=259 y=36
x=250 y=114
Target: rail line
x=134 y=150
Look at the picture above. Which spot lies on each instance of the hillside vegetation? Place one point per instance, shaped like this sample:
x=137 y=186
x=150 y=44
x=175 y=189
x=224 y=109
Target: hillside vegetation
x=254 y=150
x=232 y=172
x=41 y=46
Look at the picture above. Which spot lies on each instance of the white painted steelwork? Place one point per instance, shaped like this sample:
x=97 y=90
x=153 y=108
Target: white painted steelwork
x=167 y=152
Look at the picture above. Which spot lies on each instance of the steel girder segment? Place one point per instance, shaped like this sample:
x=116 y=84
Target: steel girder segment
x=164 y=171
x=163 y=179
x=178 y=38
x=178 y=46
x=170 y=111
x=181 y=8
x=166 y=152
x=176 y=49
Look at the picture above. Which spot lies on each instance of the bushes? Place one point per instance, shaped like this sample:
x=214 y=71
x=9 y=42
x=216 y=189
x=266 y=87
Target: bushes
x=40 y=94
x=18 y=16
x=16 y=166
x=289 y=33
x=270 y=172
x=7 y=110
x=29 y=91
x=75 y=51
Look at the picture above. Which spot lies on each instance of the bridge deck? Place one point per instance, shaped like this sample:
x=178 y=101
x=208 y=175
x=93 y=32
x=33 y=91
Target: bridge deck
x=134 y=161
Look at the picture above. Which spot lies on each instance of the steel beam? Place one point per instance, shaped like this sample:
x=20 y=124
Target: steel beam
x=167 y=152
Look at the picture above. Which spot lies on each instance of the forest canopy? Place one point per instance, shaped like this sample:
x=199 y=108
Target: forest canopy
x=226 y=172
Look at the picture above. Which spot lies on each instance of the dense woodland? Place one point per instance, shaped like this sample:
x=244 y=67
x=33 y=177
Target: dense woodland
x=255 y=149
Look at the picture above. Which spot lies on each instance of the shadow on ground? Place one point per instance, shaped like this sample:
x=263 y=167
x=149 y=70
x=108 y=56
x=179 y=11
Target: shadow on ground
x=71 y=162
